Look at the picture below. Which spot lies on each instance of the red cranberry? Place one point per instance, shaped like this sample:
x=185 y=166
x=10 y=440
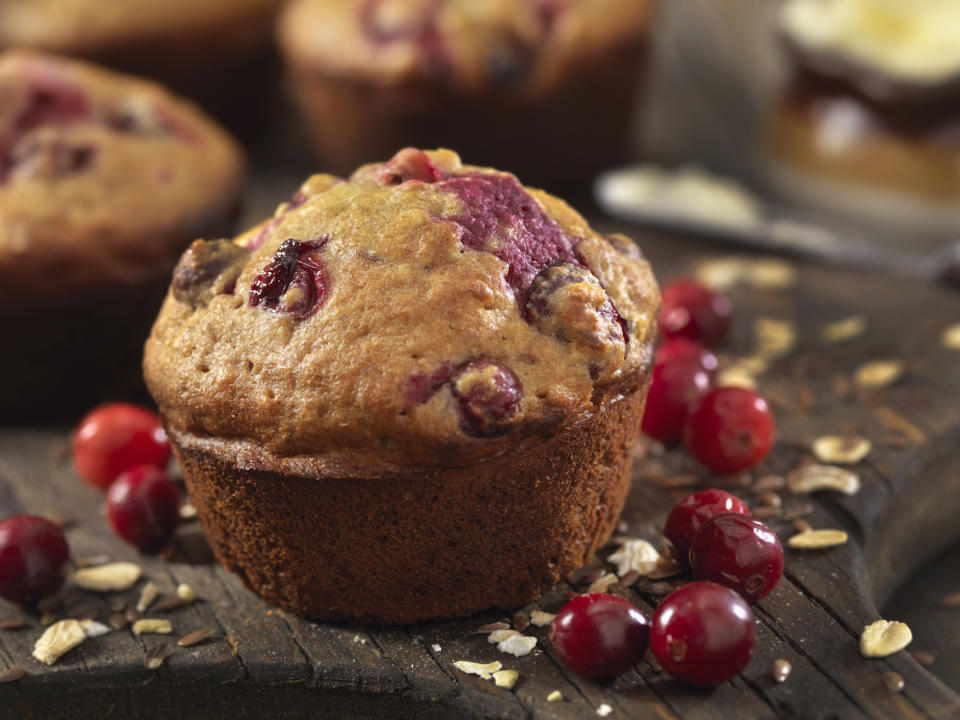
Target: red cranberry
x=599 y=635
x=143 y=506
x=34 y=558
x=295 y=267
x=693 y=511
x=117 y=437
x=411 y=164
x=488 y=395
x=693 y=311
x=682 y=374
x=730 y=430
x=739 y=552
x=703 y=633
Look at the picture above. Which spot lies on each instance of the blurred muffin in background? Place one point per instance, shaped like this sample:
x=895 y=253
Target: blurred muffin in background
x=213 y=51
x=869 y=126
x=545 y=88
x=104 y=180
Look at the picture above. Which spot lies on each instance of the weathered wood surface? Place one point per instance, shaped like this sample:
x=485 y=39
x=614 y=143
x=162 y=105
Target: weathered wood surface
x=265 y=663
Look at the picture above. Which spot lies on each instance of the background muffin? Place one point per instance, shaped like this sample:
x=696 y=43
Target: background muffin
x=541 y=87
x=104 y=179
x=410 y=394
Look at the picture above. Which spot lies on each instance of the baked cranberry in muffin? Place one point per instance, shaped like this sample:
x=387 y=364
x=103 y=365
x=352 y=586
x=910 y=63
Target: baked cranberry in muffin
x=399 y=373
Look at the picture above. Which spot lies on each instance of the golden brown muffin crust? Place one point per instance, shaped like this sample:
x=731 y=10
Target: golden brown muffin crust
x=421 y=312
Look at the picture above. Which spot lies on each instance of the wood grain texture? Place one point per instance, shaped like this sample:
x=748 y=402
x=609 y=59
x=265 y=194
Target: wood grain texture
x=266 y=663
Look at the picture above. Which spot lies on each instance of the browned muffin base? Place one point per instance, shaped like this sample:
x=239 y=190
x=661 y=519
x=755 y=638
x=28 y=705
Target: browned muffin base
x=431 y=542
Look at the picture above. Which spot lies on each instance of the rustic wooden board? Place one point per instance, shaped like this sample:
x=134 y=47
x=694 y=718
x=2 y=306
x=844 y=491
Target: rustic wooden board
x=266 y=663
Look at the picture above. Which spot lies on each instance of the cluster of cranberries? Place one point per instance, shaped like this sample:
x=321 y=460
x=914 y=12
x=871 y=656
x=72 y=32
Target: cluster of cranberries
x=727 y=429
x=703 y=632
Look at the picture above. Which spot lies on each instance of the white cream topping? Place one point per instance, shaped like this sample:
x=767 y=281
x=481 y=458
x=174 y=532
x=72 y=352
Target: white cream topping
x=913 y=40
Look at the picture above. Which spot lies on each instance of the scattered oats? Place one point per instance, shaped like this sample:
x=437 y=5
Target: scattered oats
x=555 y=696
x=472 y=668
x=924 y=657
x=359 y=640
x=435 y=647
x=541 y=618
x=602 y=584
x=883 y=638
x=151 y=626
x=781 y=670
x=498 y=636
x=92 y=560
x=57 y=640
x=736 y=375
x=893 y=681
x=186 y=593
x=760 y=273
x=156 y=656
x=845 y=329
x=814 y=477
x=506 y=678
x=774 y=337
x=604 y=710
x=841 y=450
x=188 y=511
x=147 y=595
x=951 y=337
x=637 y=555
x=490 y=627
x=878 y=373
x=951 y=601
x=195 y=638
x=815 y=539
x=92 y=628
x=17 y=672
x=112 y=577
x=518 y=645
x=770 y=274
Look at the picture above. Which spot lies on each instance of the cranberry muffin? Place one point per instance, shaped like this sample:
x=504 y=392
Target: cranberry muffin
x=414 y=393
x=869 y=126
x=542 y=87
x=104 y=180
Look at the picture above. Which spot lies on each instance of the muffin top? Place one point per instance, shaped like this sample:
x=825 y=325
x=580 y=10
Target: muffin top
x=465 y=44
x=102 y=177
x=91 y=27
x=420 y=312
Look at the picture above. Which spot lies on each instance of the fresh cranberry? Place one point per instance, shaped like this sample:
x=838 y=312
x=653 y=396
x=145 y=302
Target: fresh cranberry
x=599 y=635
x=703 y=633
x=34 y=558
x=693 y=511
x=695 y=312
x=739 y=552
x=117 y=437
x=682 y=374
x=295 y=267
x=143 y=506
x=488 y=395
x=730 y=430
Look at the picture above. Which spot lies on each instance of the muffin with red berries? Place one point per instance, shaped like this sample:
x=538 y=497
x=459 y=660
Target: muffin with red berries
x=868 y=126
x=412 y=393
x=545 y=88
x=104 y=180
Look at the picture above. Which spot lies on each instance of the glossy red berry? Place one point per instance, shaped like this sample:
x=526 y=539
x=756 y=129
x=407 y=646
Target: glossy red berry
x=117 y=437
x=695 y=312
x=143 y=506
x=693 y=511
x=730 y=430
x=599 y=635
x=682 y=374
x=739 y=552
x=34 y=558
x=703 y=633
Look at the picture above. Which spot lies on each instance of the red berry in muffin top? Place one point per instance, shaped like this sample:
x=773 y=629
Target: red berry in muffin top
x=293 y=281
x=488 y=394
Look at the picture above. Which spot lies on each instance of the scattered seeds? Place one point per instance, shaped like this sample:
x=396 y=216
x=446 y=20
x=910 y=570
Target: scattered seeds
x=186 y=593
x=521 y=621
x=171 y=602
x=156 y=656
x=665 y=569
x=883 y=638
x=924 y=657
x=733 y=482
x=769 y=499
x=49 y=619
x=148 y=594
x=656 y=588
x=92 y=560
x=518 y=645
x=816 y=539
x=14 y=625
x=540 y=618
x=151 y=626
x=132 y=614
x=492 y=627
x=555 y=696
x=85 y=611
x=951 y=337
x=112 y=577
x=471 y=668
x=118 y=621
x=802 y=526
x=893 y=681
x=769 y=483
x=506 y=678
x=602 y=584
x=766 y=512
x=92 y=628
x=813 y=477
x=846 y=329
x=878 y=374
x=13 y=674
x=498 y=636
x=951 y=601
x=604 y=710
x=781 y=670
x=841 y=450
x=800 y=511
x=57 y=640
x=51 y=603
x=638 y=555
x=900 y=424
x=195 y=638
x=673 y=481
